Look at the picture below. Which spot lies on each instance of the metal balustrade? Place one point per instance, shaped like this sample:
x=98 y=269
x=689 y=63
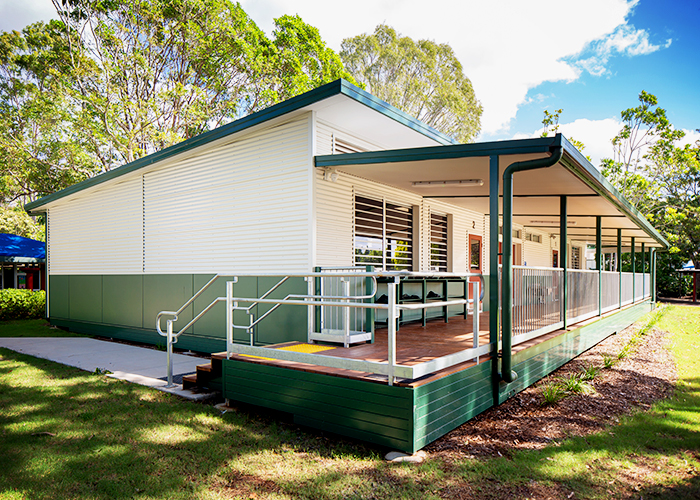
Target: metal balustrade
x=536 y=301
x=611 y=290
x=582 y=300
x=345 y=295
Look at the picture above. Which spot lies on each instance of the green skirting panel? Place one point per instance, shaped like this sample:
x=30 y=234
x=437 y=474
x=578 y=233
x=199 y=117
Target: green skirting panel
x=369 y=411
x=404 y=418
x=125 y=307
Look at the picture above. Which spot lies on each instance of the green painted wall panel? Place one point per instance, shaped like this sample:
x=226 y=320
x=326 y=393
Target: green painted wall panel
x=59 y=296
x=287 y=322
x=122 y=300
x=86 y=298
x=166 y=292
x=213 y=323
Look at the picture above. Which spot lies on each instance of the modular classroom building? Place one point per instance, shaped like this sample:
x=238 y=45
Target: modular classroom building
x=377 y=280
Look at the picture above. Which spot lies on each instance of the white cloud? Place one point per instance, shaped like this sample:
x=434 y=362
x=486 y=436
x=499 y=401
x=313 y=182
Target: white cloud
x=506 y=47
x=15 y=15
x=625 y=40
x=691 y=137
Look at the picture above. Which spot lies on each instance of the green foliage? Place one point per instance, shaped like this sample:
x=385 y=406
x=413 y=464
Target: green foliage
x=552 y=393
x=22 y=304
x=302 y=60
x=574 y=384
x=16 y=221
x=422 y=78
x=608 y=361
x=589 y=372
x=662 y=180
x=112 y=81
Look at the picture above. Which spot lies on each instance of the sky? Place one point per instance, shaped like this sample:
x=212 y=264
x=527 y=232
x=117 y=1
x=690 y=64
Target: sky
x=590 y=58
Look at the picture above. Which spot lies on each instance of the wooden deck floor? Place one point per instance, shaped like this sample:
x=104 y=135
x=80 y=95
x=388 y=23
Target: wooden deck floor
x=415 y=344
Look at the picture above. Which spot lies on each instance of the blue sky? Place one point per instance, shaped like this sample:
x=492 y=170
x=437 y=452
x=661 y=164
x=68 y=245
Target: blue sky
x=590 y=58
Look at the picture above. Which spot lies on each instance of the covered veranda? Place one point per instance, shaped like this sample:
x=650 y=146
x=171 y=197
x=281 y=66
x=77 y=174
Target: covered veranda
x=544 y=184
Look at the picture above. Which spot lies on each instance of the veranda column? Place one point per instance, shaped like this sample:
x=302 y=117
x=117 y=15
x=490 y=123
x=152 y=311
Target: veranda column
x=494 y=325
x=619 y=264
x=634 y=272
x=644 y=278
x=598 y=260
x=563 y=258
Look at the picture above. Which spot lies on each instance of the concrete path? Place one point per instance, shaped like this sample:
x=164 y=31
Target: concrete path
x=139 y=365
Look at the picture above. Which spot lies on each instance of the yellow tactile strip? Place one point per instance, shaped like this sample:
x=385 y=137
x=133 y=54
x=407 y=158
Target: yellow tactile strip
x=307 y=348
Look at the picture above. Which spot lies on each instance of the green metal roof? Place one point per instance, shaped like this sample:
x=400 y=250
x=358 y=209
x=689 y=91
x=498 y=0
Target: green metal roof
x=338 y=87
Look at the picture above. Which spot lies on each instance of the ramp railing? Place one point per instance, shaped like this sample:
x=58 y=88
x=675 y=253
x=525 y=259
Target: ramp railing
x=390 y=368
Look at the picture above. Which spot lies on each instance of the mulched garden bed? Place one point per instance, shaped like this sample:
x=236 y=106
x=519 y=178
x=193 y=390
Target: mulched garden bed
x=635 y=382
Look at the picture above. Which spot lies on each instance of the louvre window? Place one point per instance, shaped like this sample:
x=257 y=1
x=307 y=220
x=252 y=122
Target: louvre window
x=535 y=238
x=438 y=242
x=383 y=234
x=575 y=257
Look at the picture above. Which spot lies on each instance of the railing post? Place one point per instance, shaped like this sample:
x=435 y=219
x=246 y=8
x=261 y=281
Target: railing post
x=169 y=351
x=346 y=312
x=391 y=327
x=229 y=318
x=475 y=309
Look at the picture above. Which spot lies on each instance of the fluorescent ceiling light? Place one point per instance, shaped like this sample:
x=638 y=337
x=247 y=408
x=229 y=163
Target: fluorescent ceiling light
x=568 y=223
x=465 y=182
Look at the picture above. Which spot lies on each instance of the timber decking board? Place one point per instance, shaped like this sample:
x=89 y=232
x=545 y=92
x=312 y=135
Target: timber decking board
x=415 y=344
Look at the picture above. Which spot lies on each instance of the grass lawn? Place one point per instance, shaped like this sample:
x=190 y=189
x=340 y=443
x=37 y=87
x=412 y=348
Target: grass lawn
x=32 y=328
x=70 y=434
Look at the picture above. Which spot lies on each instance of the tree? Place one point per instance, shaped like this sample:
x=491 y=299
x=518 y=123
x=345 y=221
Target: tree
x=422 y=78
x=661 y=179
x=114 y=80
x=16 y=221
x=646 y=135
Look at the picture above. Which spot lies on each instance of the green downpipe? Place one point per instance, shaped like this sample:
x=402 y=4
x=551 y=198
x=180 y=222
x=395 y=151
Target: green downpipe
x=557 y=151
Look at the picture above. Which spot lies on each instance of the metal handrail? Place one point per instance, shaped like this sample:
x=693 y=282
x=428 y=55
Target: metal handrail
x=295 y=299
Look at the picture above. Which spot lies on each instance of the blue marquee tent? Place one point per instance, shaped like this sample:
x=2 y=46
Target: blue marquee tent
x=15 y=248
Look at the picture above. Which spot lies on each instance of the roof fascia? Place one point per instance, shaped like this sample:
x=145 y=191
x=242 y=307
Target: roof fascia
x=499 y=148
x=290 y=105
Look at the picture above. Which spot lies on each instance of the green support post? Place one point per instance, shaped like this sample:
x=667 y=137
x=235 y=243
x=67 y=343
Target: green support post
x=557 y=151
x=563 y=257
x=494 y=313
x=634 y=272
x=653 y=275
x=598 y=260
x=619 y=264
x=644 y=265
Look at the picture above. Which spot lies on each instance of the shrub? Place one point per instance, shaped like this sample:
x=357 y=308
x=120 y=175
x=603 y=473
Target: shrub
x=574 y=385
x=608 y=361
x=590 y=372
x=22 y=304
x=552 y=393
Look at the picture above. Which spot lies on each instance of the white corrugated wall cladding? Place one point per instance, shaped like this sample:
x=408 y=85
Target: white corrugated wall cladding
x=99 y=232
x=334 y=219
x=243 y=207
x=537 y=254
x=325 y=132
